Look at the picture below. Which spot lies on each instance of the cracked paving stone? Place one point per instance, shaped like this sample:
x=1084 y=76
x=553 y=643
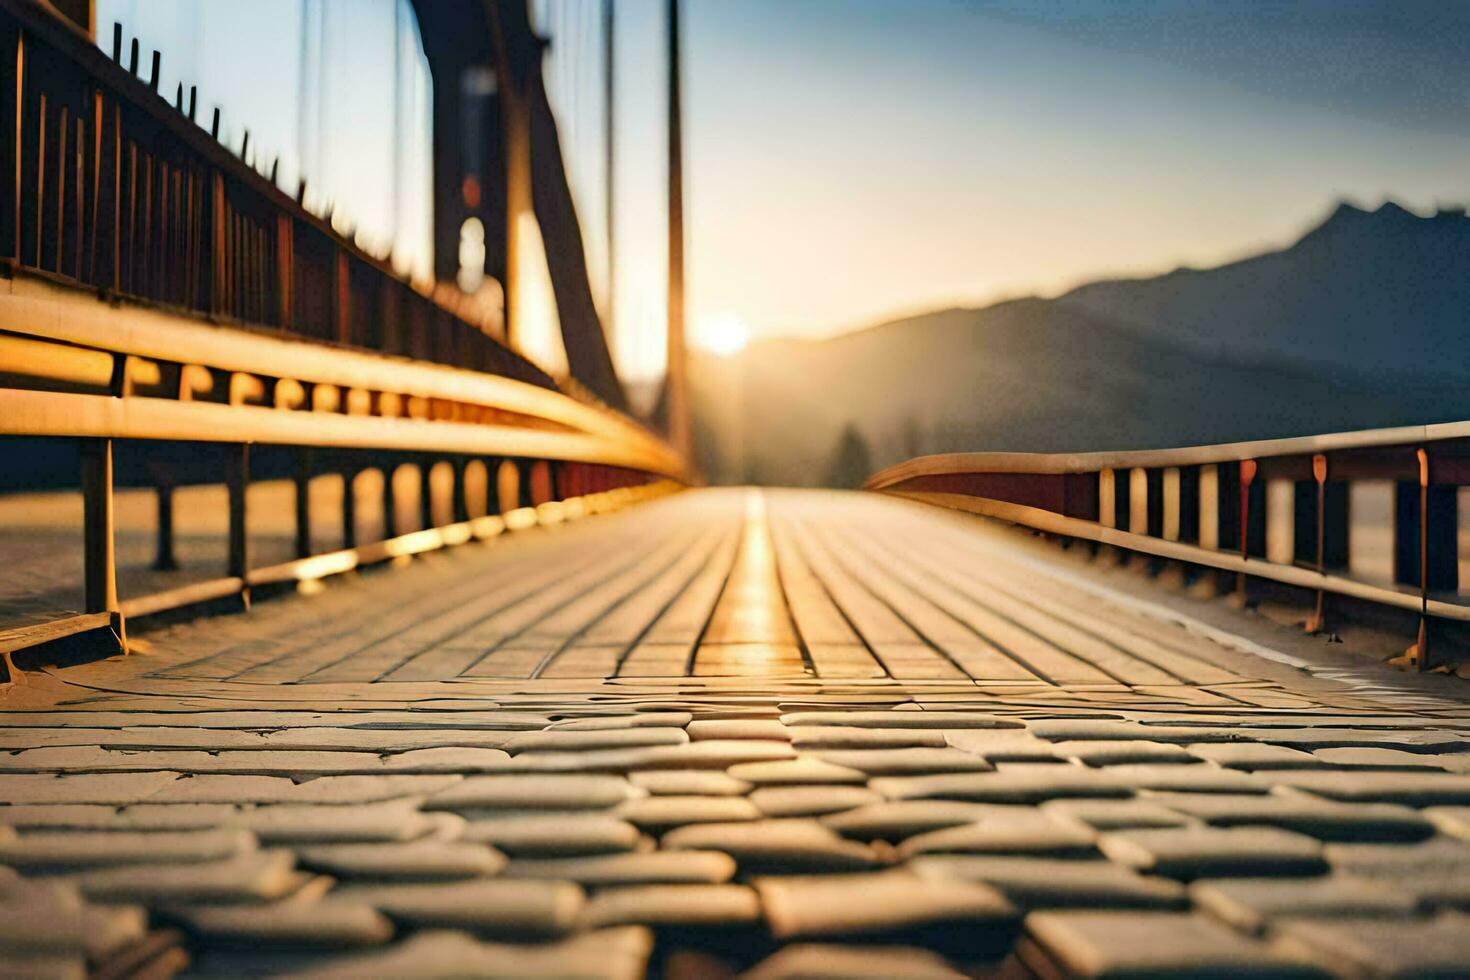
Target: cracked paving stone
x=554 y=834
x=292 y=923
x=1249 y=904
x=290 y=823
x=906 y=762
x=899 y=719
x=1437 y=947
x=802 y=770
x=897 y=819
x=415 y=859
x=1117 y=814
x=1356 y=757
x=711 y=754
x=255 y=762
x=812 y=737
x=690 y=782
x=335 y=790
x=1093 y=729
x=574 y=740
x=83 y=849
x=1026 y=831
x=811 y=801
x=673 y=905
x=776 y=845
x=1255 y=755
x=1030 y=786
x=110 y=788
x=1044 y=882
x=611 y=954
x=1328 y=738
x=1148 y=944
x=830 y=961
x=1313 y=816
x=493 y=905
x=569 y=791
x=651 y=868
x=445 y=759
x=657 y=813
x=252 y=877
x=1408 y=788
x=643 y=719
x=1208 y=852
x=877 y=903
x=739 y=728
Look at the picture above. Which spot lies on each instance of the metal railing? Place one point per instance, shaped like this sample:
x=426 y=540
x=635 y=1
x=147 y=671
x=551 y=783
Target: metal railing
x=158 y=289
x=1276 y=509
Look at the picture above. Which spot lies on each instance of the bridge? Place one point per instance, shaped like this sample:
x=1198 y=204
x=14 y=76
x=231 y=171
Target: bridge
x=362 y=645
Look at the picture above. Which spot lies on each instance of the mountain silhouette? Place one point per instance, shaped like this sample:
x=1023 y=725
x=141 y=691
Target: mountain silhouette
x=1353 y=326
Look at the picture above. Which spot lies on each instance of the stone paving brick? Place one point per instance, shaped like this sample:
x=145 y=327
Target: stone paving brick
x=336 y=790
x=1025 y=832
x=1254 y=755
x=1189 y=779
x=1438 y=947
x=829 y=961
x=905 y=762
x=576 y=740
x=254 y=876
x=427 y=859
x=293 y=923
x=1030 y=786
x=1148 y=944
x=662 y=812
x=1043 y=882
x=49 y=917
x=1091 y=729
x=552 y=834
x=1382 y=758
x=41 y=850
x=1205 y=852
x=1117 y=814
x=898 y=819
x=881 y=902
x=525 y=909
x=111 y=788
x=651 y=868
x=1316 y=817
x=1001 y=745
x=673 y=905
x=609 y=954
x=690 y=782
x=802 y=770
x=776 y=845
x=1452 y=820
x=811 y=801
x=739 y=728
x=811 y=737
x=1408 y=788
x=711 y=754
x=893 y=719
x=642 y=719
x=535 y=792
x=1250 y=904
x=1122 y=752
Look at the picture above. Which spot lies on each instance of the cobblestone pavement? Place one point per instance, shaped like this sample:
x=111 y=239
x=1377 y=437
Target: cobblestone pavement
x=779 y=734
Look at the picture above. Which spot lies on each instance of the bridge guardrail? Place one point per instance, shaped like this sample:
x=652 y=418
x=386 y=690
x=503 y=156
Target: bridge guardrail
x=154 y=287
x=1274 y=509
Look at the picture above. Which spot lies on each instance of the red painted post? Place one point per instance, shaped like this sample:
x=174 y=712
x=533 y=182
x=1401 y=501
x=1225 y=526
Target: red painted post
x=1317 y=622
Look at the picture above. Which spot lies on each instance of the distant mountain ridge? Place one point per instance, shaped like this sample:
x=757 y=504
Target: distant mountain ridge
x=1353 y=326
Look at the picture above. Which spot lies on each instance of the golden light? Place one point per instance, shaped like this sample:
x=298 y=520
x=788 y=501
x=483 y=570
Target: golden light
x=723 y=334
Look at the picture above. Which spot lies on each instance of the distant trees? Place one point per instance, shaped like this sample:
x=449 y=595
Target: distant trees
x=852 y=463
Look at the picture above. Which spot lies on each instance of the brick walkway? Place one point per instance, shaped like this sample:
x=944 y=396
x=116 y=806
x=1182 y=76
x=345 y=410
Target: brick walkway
x=796 y=734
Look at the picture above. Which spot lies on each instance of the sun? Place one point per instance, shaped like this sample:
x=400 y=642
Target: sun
x=722 y=334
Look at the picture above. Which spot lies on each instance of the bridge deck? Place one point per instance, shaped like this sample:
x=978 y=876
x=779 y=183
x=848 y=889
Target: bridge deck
x=751 y=721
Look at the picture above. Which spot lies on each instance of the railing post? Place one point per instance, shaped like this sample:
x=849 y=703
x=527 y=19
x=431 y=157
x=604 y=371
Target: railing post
x=303 y=502
x=237 y=482
x=98 y=529
x=349 y=506
x=163 y=555
x=426 y=493
x=507 y=486
x=1247 y=476
x=1317 y=622
x=461 y=491
x=390 y=502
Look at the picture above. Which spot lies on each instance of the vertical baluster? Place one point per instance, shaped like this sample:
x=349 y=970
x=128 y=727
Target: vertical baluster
x=237 y=480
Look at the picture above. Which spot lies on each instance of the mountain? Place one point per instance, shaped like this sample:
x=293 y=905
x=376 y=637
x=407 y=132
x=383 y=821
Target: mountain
x=1353 y=326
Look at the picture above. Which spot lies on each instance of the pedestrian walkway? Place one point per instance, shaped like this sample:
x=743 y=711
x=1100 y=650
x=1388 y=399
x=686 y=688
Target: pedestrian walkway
x=790 y=733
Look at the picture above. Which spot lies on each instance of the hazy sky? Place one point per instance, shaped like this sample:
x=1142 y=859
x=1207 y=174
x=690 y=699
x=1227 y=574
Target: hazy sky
x=852 y=160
